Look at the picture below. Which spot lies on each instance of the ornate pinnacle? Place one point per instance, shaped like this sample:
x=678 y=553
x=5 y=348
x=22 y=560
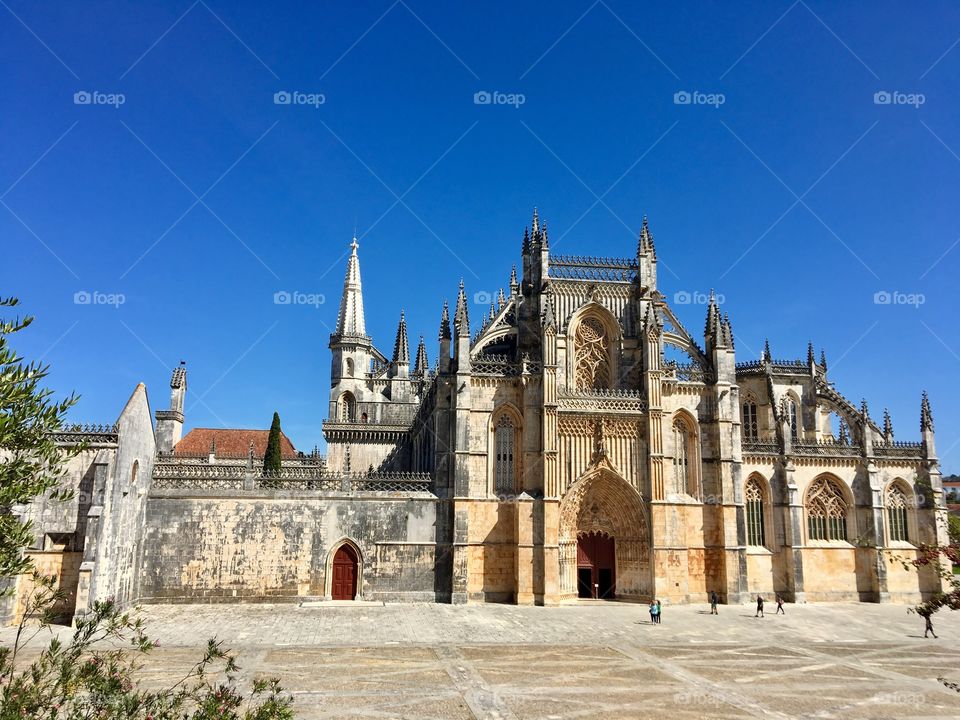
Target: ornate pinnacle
x=887 y=426
x=525 y=247
x=514 y=284
x=926 y=416
x=727 y=331
x=766 y=351
x=645 y=241
x=445 y=322
x=461 y=319
x=544 y=243
x=823 y=359
x=501 y=300
x=712 y=325
x=401 y=348
x=549 y=321
x=864 y=411
x=493 y=311
x=843 y=436
x=535 y=222
x=811 y=360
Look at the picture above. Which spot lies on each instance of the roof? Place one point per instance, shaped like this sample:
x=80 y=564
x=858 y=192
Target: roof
x=230 y=441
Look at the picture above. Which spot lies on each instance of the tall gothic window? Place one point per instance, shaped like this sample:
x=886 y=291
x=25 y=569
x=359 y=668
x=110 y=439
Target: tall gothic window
x=592 y=368
x=503 y=442
x=826 y=511
x=793 y=420
x=348 y=407
x=753 y=494
x=749 y=421
x=681 y=456
x=897 y=515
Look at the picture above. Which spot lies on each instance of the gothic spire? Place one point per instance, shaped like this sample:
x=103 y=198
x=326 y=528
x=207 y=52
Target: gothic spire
x=461 y=319
x=823 y=359
x=549 y=320
x=493 y=311
x=535 y=222
x=445 y=322
x=727 y=331
x=514 y=283
x=350 y=321
x=421 y=366
x=501 y=300
x=811 y=358
x=401 y=348
x=864 y=411
x=525 y=247
x=843 y=435
x=887 y=426
x=766 y=351
x=926 y=416
x=712 y=326
x=645 y=241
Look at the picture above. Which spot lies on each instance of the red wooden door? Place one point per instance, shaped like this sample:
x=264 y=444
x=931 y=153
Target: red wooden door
x=344 y=585
x=596 y=566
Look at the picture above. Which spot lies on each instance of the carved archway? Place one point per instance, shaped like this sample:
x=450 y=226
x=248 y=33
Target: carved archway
x=601 y=501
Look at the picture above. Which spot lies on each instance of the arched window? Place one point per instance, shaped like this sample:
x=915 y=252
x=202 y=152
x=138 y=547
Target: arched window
x=682 y=452
x=504 y=434
x=592 y=368
x=748 y=420
x=348 y=407
x=793 y=419
x=349 y=365
x=826 y=511
x=897 y=514
x=753 y=495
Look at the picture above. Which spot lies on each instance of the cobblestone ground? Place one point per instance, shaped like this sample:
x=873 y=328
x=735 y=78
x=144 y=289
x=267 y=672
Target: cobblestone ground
x=602 y=660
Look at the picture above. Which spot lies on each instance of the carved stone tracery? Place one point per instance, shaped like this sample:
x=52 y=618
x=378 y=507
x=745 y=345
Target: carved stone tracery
x=592 y=369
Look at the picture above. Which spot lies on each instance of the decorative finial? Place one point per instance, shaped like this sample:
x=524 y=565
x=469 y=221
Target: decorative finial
x=887 y=426
x=766 y=351
x=926 y=415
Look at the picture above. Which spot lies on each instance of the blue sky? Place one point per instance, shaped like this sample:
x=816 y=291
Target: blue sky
x=786 y=183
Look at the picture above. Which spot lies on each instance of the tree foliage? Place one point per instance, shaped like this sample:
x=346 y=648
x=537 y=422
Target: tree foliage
x=273 y=457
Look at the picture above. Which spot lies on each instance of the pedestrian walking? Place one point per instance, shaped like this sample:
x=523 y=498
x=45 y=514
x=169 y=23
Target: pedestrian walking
x=759 y=606
x=659 y=611
x=780 y=605
x=653 y=613
x=713 y=603
x=928 y=624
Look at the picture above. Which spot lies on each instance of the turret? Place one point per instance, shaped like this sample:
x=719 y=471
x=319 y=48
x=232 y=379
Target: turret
x=646 y=258
x=170 y=422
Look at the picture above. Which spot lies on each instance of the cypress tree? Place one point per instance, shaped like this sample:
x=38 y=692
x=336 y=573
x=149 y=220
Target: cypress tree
x=272 y=457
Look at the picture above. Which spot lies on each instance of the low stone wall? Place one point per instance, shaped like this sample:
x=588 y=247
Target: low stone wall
x=273 y=546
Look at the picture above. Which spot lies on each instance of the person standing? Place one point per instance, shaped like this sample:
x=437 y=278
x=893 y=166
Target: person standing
x=653 y=613
x=780 y=605
x=659 y=611
x=928 y=624
x=713 y=603
x=759 y=606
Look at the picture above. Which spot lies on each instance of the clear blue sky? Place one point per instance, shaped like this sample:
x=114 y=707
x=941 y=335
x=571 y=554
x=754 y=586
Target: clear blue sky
x=99 y=197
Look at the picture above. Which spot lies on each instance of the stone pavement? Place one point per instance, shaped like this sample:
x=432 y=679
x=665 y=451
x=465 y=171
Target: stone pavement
x=586 y=660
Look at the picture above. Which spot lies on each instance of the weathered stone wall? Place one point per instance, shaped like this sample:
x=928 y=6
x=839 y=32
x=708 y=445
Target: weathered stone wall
x=279 y=545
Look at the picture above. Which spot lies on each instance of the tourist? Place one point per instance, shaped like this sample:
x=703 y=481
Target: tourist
x=713 y=603
x=659 y=611
x=653 y=613
x=760 y=606
x=780 y=605
x=928 y=627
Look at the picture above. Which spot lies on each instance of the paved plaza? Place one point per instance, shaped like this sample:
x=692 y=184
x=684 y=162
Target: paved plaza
x=588 y=660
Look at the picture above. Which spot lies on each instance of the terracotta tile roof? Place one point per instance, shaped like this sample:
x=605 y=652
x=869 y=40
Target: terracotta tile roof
x=230 y=442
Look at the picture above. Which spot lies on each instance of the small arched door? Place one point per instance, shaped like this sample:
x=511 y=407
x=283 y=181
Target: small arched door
x=344 y=584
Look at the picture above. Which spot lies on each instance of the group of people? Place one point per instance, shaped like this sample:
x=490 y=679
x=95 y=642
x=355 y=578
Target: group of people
x=655 y=612
x=715 y=600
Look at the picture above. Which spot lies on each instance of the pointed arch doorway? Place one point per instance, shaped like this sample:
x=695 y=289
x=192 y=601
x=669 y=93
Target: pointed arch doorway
x=596 y=566
x=343 y=585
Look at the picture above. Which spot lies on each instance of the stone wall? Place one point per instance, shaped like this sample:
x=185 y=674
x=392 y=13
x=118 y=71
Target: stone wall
x=273 y=545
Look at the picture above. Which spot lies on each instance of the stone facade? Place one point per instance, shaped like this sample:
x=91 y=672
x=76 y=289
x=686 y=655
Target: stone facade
x=578 y=441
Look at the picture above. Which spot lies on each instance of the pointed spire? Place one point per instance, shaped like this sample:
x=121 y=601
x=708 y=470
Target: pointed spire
x=843 y=434
x=544 y=243
x=514 y=283
x=766 y=351
x=823 y=359
x=350 y=320
x=525 y=247
x=401 y=348
x=461 y=319
x=501 y=300
x=535 y=222
x=727 y=331
x=712 y=326
x=493 y=311
x=645 y=240
x=445 y=322
x=864 y=411
x=926 y=415
x=421 y=366
x=811 y=358
x=887 y=426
